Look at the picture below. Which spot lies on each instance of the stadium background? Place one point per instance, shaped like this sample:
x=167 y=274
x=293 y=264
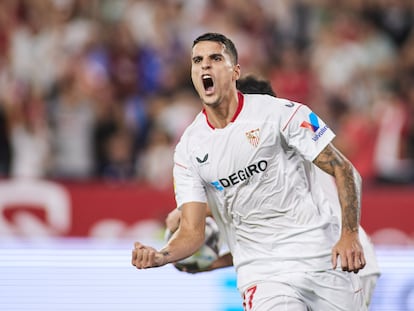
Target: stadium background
x=95 y=93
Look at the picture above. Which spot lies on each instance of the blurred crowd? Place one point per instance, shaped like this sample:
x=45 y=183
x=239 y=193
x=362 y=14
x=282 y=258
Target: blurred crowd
x=101 y=89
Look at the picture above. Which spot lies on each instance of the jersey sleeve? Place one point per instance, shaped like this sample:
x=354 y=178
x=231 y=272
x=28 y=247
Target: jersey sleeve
x=305 y=131
x=188 y=187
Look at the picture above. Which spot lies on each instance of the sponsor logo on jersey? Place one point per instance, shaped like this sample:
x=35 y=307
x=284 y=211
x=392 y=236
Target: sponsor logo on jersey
x=240 y=175
x=313 y=126
x=203 y=159
x=253 y=137
x=314 y=123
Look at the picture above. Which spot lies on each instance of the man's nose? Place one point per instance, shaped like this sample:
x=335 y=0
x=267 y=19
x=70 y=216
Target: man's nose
x=206 y=64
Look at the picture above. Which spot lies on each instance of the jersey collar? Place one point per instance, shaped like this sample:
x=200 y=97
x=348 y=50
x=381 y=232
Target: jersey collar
x=236 y=114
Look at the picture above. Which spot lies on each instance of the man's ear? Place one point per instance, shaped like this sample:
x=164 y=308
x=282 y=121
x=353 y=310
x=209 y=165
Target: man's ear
x=236 y=72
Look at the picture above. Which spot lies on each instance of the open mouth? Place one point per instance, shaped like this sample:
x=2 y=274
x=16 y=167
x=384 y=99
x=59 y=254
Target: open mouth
x=208 y=83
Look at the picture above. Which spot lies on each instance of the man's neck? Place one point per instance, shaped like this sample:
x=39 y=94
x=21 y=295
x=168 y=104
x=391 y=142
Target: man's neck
x=226 y=112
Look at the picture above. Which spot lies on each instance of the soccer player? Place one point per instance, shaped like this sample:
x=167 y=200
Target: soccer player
x=252 y=158
x=251 y=84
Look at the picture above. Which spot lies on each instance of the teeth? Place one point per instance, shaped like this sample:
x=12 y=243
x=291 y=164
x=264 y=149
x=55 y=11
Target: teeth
x=206 y=76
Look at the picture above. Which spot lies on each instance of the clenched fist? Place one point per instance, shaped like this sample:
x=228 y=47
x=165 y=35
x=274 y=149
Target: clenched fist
x=144 y=257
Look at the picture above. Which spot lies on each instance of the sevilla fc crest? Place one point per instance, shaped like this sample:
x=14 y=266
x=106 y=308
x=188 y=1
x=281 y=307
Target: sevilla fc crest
x=253 y=137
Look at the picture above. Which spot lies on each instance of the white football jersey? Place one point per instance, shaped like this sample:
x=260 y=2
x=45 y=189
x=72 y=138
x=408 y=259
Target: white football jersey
x=257 y=176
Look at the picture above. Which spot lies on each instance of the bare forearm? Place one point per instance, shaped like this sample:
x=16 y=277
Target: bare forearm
x=348 y=183
x=190 y=234
x=182 y=245
x=349 y=191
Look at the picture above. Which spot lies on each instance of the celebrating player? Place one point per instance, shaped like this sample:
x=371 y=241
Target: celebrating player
x=253 y=159
x=369 y=275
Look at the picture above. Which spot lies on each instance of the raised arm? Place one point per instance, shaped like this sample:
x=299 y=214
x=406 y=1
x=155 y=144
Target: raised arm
x=348 y=182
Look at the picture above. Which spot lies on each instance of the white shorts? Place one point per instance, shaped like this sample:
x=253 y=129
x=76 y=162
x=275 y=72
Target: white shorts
x=368 y=286
x=307 y=291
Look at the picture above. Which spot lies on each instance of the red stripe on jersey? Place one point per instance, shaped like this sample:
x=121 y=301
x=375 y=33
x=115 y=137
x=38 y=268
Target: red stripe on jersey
x=239 y=107
x=208 y=122
x=236 y=114
x=180 y=165
x=291 y=117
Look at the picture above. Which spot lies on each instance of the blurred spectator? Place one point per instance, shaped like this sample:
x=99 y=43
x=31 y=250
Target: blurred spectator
x=29 y=133
x=339 y=61
x=155 y=164
x=72 y=118
x=119 y=164
x=109 y=121
x=50 y=32
x=177 y=113
x=393 y=16
x=391 y=158
x=356 y=136
x=291 y=23
x=291 y=78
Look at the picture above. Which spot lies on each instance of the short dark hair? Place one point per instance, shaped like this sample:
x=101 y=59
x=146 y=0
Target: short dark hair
x=217 y=37
x=251 y=84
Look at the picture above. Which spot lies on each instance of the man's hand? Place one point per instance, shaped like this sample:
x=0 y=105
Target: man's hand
x=350 y=251
x=144 y=257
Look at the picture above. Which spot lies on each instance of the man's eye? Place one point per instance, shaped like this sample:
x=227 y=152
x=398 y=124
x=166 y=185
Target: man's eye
x=196 y=60
x=217 y=58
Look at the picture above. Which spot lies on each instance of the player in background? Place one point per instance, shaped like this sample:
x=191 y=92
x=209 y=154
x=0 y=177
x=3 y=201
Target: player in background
x=252 y=158
x=251 y=84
